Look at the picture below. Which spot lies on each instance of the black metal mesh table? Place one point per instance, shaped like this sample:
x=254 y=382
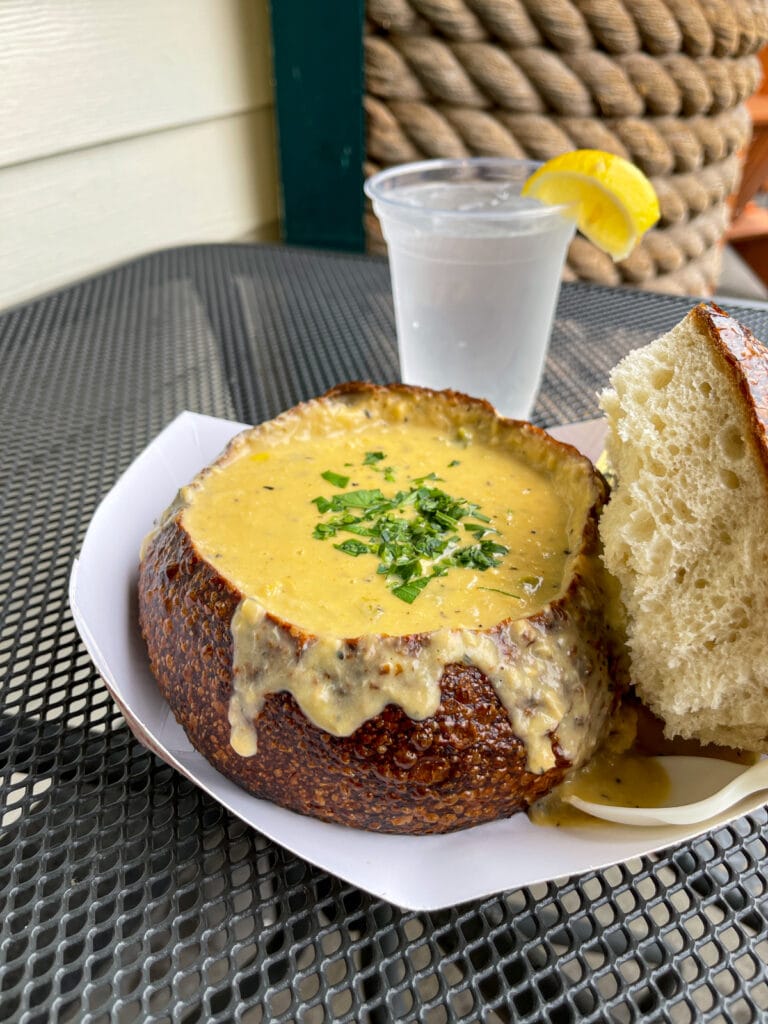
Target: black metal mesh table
x=125 y=893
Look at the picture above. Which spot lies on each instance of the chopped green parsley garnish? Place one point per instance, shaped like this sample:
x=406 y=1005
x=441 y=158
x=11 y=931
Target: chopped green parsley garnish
x=479 y=528
x=419 y=480
x=373 y=459
x=352 y=547
x=506 y=593
x=335 y=478
x=415 y=534
x=408 y=592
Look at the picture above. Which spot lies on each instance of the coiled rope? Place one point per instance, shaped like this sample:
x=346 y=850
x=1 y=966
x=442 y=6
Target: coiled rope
x=661 y=82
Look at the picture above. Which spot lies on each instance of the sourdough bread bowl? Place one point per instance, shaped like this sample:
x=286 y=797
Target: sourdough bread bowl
x=387 y=609
x=685 y=530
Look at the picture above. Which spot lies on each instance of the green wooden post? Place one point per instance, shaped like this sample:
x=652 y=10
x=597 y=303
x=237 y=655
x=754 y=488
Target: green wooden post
x=318 y=62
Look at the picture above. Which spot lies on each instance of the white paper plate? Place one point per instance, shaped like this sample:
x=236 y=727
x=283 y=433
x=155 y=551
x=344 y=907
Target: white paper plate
x=416 y=872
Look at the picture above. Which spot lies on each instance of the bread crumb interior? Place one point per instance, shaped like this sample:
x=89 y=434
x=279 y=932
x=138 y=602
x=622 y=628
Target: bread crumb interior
x=686 y=533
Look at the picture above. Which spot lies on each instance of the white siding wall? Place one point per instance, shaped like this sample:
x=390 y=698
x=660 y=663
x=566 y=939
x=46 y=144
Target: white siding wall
x=127 y=126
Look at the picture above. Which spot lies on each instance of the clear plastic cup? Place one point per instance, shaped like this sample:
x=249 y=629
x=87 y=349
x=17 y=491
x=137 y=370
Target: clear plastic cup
x=475 y=275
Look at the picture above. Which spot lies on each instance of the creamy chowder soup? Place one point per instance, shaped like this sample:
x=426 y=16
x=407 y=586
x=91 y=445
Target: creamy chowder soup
x=384 y=529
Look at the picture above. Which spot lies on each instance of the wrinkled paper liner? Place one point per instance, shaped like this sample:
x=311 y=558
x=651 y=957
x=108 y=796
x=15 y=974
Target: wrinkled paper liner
x=413 y=872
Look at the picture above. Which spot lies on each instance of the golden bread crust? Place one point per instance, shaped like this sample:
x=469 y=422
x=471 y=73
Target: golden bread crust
x=747 y=361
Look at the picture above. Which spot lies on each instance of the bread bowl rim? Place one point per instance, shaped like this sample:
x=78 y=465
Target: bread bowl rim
x=453 y=397
x=735 y=345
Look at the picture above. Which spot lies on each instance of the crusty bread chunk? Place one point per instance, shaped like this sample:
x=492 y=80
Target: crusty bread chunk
x=686 y=529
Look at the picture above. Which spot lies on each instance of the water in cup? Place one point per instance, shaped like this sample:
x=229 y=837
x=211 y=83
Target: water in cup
x=475 y=277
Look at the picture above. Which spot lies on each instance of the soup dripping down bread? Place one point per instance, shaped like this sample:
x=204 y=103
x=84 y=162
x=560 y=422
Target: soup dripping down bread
x=686 y=529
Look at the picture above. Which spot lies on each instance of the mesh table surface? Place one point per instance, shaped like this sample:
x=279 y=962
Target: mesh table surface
x=127 y=894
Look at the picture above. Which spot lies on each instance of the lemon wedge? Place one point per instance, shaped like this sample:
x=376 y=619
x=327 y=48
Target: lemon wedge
x=613 y=201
